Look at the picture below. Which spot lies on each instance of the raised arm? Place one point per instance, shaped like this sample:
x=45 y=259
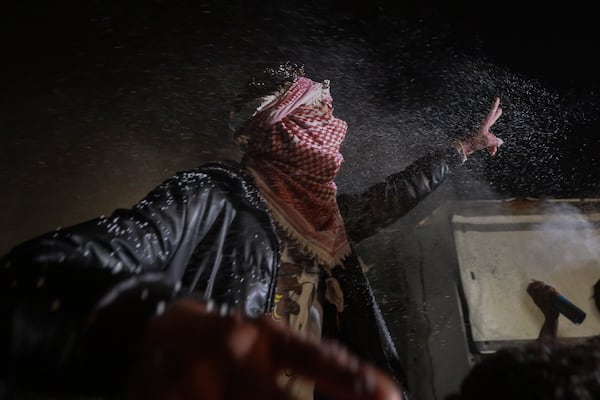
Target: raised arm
x=385 y=202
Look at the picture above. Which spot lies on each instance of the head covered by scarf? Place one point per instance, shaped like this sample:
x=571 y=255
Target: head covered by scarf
x=292 y=147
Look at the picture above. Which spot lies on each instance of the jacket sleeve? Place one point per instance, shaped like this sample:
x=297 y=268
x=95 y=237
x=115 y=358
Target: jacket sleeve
x=385 y=202
x=58 y=326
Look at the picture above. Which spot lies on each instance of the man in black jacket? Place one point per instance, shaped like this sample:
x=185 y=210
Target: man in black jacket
x=267 y=236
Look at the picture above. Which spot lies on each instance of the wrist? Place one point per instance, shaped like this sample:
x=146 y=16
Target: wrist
x=462 y=149
x=551 y=317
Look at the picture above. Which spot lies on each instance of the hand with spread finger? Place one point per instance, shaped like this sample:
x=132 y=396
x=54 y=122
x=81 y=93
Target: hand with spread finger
x=482 y=138
x=191 y=353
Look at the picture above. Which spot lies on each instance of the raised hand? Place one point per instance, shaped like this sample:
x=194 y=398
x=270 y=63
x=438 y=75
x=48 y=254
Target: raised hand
x=191 y=353
x=542 y=296
x=482 y=138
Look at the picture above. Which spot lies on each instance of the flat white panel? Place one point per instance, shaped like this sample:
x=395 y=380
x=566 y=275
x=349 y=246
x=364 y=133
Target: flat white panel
x=499 y=254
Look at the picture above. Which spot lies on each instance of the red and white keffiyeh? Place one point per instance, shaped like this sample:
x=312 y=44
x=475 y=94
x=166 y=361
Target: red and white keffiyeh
x=292 y=147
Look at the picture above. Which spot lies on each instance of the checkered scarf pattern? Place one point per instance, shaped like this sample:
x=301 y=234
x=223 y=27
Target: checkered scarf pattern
x=292 y=147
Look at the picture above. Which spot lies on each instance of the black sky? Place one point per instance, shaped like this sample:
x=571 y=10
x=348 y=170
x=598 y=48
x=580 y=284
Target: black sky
x=556 y=42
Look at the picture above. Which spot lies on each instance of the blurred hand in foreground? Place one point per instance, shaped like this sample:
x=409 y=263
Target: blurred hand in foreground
x=191 y=353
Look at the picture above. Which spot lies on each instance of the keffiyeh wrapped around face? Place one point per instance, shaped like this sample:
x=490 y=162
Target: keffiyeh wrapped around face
x=292 y=147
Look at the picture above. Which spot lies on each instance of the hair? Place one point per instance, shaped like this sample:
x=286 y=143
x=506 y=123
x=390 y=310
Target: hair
x=269 y=82
x=537 y=371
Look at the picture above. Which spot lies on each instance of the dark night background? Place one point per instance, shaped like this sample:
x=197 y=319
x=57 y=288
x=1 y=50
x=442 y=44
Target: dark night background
x=101 y=100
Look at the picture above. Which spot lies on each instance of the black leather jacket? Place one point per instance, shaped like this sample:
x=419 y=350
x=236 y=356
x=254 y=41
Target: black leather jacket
x=205 y=232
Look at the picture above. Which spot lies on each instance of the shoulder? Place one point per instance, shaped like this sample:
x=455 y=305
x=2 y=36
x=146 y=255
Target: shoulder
x=208 y=176
x=226 y=179
x=227 y=169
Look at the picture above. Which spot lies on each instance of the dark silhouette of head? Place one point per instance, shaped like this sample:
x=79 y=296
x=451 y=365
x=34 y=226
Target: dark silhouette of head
x=536 y=371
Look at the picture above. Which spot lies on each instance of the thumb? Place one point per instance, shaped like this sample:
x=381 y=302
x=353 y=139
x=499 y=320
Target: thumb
x=494 y=144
